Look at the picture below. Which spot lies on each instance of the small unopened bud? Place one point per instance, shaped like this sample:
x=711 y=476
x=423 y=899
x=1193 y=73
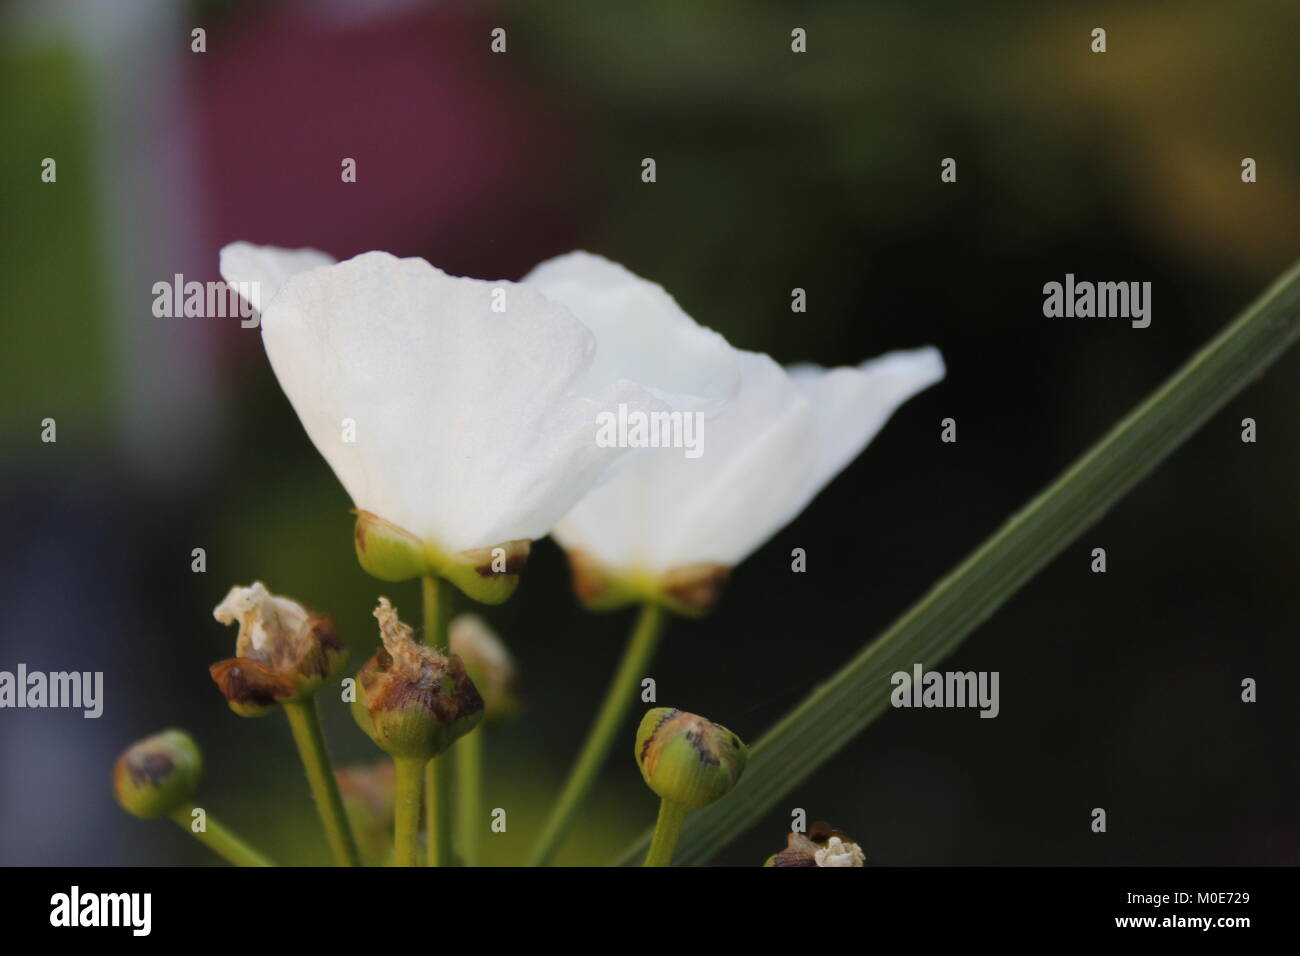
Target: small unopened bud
x=687 y=759
x=412 y=700
x=489 y=665
x=158 y=775
x=823 y=846
x=283 y=652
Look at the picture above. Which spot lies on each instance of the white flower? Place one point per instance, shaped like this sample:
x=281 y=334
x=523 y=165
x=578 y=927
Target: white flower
x=666 y=527
x=460 y=414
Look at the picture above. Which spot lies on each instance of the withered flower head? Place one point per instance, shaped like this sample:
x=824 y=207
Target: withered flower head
x=283 y=651
x=157 y=775
x=688 y=759
x=489 y=664
x=412 y=700
x=823 y=846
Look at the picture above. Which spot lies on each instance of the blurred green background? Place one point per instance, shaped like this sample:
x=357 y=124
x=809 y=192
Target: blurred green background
x=775 y=170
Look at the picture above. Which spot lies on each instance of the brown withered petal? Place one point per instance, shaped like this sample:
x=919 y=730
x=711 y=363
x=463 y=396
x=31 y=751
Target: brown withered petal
x=437 y=683
x=412 y=700
x=799 y=851
x=322 y=641
x=279 y=633
x=392 y=685
x=248 y=685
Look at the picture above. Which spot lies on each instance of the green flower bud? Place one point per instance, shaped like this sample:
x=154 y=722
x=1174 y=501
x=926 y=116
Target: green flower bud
x=690 y=590
x=412 y=700
x=157 y=775
x=687 y=759
x=283 y=651
x=822 y=846
x=489 y=664
x=488 y=575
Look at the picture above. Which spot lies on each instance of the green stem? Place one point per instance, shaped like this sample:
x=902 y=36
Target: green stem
x=667 y=829
x=305 y=723
x=218 y=839
x=438 y=595
x=437 y=797
x=406 y=810
x=841 y=708
x=468 y=761
x=618 y=699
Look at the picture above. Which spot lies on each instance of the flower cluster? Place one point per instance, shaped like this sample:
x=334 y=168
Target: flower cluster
x=466 y=419
x=461 y=417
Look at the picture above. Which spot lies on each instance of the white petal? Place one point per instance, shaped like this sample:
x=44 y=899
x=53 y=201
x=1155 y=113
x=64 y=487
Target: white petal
x=662 y=509
x=258 y=272
x=851 y=405
x=471 y=425
x=765 y=457
x=642 y=333
x=266 y=620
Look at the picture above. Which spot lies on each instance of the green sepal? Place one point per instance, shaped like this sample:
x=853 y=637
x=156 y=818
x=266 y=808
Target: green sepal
x=488 y=575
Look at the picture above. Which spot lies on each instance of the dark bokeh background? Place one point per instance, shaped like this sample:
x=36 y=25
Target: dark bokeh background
x=775 y=170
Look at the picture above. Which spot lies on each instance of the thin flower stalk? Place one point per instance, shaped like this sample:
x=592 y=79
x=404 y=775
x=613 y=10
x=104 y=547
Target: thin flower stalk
x=217 y=838
x=437 y=775
x=305 y=723
x=619 y=699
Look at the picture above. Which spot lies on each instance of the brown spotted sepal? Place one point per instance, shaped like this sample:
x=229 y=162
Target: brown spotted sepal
x=688 y=759
x=412 y=700
x=390 y=553
x=822 y=846
x=158 y=775
x=690 y=590
x=283 y=652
